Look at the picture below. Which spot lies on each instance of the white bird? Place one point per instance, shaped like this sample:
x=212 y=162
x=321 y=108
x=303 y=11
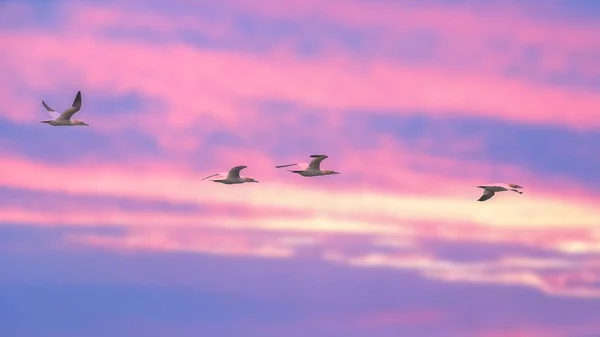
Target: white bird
x=232 y=177
x=64 y=119
x=490 y=190
x=313 y=169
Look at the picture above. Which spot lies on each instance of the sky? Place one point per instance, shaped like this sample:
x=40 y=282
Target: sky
x=108 y=229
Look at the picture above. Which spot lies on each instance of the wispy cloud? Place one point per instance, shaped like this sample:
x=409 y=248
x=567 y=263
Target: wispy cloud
x=375 y=84
x=288 y=207
x=414 y=103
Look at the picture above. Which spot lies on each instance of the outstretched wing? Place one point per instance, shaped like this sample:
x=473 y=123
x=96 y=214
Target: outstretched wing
x=487 y=194
x=235 y=172
x=316 y=163
x=67 y=114
x=220 y=175
x=210 y=176
x=51 y=111
x=301 y=166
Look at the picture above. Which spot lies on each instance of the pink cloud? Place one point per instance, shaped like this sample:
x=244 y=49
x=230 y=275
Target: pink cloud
x=410 y=193
x=545 y=275
x=412 y=172
x=499 y=20
x=558 y=42
x=148 y=240
x=399 y=209
x=233 y=82
x=284 y=205
x=335 y=227
x=555 y=276
x=564 y=239
x=93 y=19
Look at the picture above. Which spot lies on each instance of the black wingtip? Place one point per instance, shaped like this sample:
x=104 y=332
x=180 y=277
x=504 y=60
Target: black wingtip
x=77 y=98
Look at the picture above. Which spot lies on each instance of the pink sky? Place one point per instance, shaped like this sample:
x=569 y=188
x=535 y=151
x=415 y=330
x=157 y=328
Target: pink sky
x=414 y=102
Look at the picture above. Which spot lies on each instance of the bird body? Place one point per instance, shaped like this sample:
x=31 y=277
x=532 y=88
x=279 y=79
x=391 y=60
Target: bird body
x=64 y=119
x=232 y=177
x=308 y=172
x=490 y=190
x=62 y=122
x=312 y=169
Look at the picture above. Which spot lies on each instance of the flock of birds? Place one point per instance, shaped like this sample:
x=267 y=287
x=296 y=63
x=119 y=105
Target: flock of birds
x=312 y=169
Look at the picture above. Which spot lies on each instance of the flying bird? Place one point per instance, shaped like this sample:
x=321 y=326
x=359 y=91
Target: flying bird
x=311 y=169
x=490 y=190
x=232 y=177
x=64 y=119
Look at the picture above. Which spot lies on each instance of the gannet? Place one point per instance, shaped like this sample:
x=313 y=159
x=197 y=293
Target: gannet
x=64 y=119
x=490 y=190
x=232 y=177
x=313 y=169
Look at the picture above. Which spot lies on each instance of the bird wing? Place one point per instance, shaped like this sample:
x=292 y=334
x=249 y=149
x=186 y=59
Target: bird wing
x=487 y=194
x=67 y=114
x=210 y=176
x=316 y=163
x=499 y=185
x=495 y=187
x=51 y=111
x=235 y=172
x=220 y=174
x=302 y=166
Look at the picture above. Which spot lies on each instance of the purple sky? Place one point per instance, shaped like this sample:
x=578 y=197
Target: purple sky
x=107 y=230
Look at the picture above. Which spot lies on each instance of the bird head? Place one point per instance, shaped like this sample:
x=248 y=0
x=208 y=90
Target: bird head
x=331 y=172
x=515 y=186
x=76 y=122
x=251 y=180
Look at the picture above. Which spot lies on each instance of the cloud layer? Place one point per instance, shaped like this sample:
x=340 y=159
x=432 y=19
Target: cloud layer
x=413 y=103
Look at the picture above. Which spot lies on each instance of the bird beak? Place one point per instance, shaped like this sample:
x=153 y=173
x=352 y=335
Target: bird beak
x=519 y=186
x=334 y=172
x=86 y=124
